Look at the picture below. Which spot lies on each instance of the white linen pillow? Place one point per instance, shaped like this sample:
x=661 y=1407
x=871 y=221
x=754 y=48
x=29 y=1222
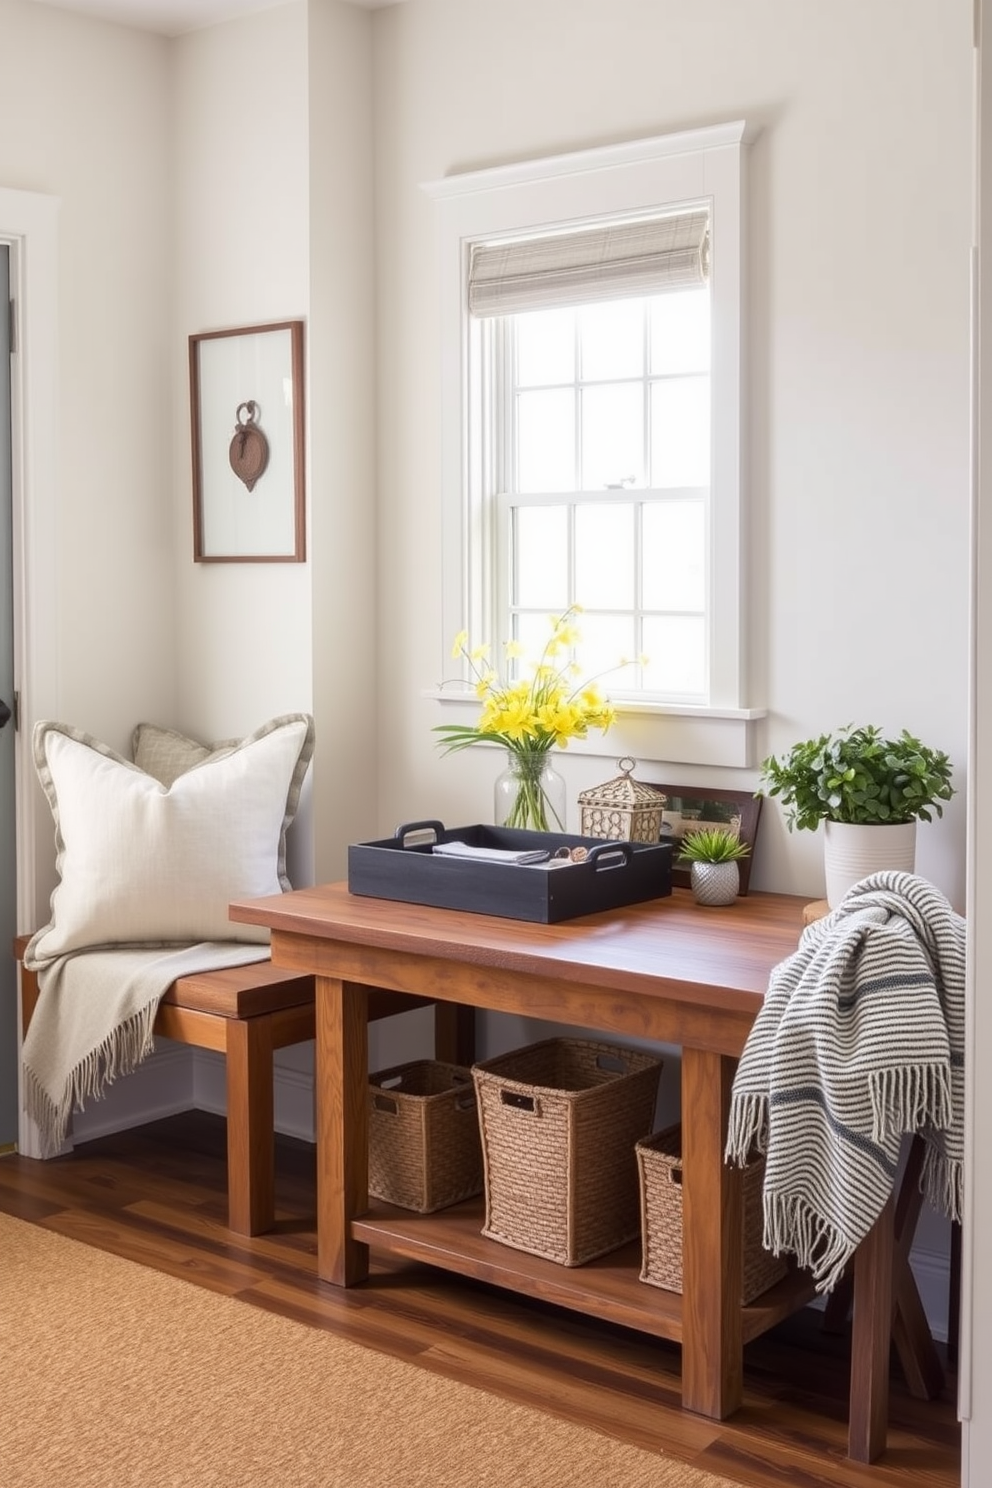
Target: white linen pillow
x=143 y=863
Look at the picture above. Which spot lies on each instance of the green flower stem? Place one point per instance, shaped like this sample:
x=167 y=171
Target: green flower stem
x=531 y=807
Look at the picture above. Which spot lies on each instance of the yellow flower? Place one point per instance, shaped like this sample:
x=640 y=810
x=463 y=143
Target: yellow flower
x=531 y=714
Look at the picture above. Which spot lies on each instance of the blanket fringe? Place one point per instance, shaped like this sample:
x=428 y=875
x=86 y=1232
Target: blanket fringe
x=791 y=1225
x=942 y=1183
x=119 y=1054
x=907 y=1097
x=747 y=1128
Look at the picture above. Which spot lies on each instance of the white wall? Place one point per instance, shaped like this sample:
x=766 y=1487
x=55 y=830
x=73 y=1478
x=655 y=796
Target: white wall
x=240 y=241
x=858 y=420
x=192 y=201
x=85 y=116
x=342 y=424
x=976 y=1354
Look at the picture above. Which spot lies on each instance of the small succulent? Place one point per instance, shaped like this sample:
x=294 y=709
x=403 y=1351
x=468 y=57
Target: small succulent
x=712 y=845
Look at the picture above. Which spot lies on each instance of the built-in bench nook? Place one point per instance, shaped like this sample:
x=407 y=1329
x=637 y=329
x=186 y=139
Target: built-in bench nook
x=246 y=1013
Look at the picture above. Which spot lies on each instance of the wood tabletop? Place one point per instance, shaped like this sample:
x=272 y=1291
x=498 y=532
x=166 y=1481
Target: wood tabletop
x=671 y=945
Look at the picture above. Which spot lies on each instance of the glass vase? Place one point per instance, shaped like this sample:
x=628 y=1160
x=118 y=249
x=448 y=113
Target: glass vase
x=530 y=794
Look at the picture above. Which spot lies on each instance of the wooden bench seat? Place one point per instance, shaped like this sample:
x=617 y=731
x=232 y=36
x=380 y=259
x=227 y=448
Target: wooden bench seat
x=246 y=1013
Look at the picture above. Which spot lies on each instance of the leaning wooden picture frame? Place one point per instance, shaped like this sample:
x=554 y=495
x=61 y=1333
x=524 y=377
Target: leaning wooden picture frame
x=689 y=807
x=247 y=428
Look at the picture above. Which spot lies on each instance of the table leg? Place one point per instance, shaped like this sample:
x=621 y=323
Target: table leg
x=870 y=1339
x=712 y=1338
x=342 y=1085
x=454 y=1033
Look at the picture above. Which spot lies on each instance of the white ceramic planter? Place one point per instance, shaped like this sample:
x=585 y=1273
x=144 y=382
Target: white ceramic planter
x=852 y=852
x=715 y=883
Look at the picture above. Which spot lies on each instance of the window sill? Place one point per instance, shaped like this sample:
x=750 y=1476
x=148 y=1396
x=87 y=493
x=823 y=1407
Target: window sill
x=650 y=731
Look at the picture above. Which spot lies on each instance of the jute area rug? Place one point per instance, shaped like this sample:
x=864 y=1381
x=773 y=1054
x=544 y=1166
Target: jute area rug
x=115 y=1376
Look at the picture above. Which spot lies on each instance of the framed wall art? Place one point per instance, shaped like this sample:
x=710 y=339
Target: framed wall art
x=689 y=807
x=247 y=426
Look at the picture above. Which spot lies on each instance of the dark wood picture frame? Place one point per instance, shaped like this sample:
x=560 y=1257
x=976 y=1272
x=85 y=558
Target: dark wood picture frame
x=726 y=806
x=259 y=367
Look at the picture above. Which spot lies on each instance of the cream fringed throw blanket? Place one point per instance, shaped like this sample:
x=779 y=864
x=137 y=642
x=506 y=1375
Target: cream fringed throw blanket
x=860 y=1039
x=93 y=1022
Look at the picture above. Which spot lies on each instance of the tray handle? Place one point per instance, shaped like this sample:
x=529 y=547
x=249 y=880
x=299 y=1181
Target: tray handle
x=607 y=854
x=423 y=827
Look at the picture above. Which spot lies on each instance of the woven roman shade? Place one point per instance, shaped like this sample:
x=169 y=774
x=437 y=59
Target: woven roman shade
x=615 y=260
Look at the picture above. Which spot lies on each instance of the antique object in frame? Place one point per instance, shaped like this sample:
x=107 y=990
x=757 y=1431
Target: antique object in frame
x=689 y=807
x=247 y=426
x=249 y=450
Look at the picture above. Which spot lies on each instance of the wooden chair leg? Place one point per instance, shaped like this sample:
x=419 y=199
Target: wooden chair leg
x=910 y=1329
x=870 y=1340
x=250 y=1126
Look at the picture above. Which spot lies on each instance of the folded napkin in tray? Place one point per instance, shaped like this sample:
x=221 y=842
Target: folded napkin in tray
x=492 y=854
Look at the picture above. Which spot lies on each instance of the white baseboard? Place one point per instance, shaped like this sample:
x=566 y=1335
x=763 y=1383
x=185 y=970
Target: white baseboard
x=162 y=1086
x=292 y=1092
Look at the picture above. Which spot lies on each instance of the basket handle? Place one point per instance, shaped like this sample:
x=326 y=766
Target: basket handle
x=384 y=1103
x=410 y=828
x=613 y=1064
x=610 y=855
x=521 y=1102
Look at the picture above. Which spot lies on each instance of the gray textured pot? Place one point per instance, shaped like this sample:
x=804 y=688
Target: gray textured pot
x=715 y=883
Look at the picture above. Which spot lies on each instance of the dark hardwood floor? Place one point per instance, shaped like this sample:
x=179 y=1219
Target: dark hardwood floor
x=157 y=1195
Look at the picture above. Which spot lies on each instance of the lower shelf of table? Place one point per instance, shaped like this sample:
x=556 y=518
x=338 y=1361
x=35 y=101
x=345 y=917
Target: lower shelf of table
x=608 y=1288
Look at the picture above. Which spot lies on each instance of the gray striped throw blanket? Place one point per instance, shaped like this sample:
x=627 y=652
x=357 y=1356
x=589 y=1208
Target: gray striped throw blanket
x=860 y=1039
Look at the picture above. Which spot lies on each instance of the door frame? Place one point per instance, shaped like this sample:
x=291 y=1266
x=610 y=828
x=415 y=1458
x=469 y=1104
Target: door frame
x=29 y=225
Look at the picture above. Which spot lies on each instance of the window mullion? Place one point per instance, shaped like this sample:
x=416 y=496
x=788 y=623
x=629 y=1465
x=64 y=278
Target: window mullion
x=505 y=476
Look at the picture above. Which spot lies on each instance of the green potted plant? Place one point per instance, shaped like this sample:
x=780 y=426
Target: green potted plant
x=868 y=790
x=713 y=854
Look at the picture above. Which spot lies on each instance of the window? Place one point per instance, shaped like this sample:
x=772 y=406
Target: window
x=601 y=455
x=592 y=420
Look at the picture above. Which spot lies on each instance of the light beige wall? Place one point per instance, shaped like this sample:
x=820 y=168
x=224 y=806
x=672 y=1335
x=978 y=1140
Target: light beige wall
x=342 y=430
x=976 y=1353
x=241 y=251
x=858 y=385
x=85 y=115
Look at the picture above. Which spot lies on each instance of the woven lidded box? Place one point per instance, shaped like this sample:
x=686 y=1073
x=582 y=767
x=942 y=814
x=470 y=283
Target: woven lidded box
x=659 y=1164
x=424 y=1147
x=559 y=1122
x=624 y=809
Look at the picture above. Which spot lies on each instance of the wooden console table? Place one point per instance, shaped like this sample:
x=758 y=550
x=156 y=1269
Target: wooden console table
x=667 y=971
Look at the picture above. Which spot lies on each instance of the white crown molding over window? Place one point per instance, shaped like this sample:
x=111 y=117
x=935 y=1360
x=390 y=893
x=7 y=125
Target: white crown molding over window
x=614 y=181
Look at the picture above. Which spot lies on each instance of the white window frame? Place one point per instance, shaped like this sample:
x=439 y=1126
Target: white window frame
x=707 y=166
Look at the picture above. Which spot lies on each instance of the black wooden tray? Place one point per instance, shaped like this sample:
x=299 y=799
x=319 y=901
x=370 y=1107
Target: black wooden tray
x=404 y=867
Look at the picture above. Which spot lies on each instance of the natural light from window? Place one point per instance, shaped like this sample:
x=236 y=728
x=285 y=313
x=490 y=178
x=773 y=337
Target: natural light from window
x=606 y=455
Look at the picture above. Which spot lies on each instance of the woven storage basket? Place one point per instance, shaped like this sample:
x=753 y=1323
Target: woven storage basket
x=659 y=1163
x=559 y=1122
x=424 y=1148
